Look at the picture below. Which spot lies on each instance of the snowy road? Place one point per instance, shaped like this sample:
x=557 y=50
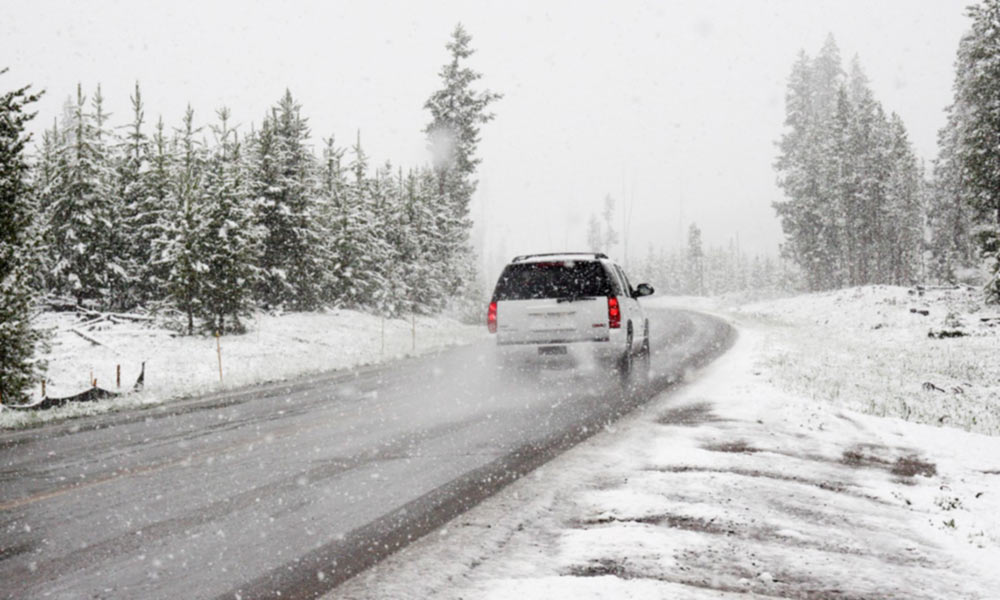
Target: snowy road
x=292 y=488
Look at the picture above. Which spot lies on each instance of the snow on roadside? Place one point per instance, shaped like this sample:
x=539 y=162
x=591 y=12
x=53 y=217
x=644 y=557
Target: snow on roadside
x=275 y=348
x=869 y=349
x=730 y=486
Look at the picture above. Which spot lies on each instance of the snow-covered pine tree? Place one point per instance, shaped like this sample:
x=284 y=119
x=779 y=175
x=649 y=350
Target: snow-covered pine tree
x=610 y=237
x=847 y=154
x=447 y=254
x=800 y=211
x=44 y=183
x=139 y=214
x=457 y=112
x=78 y=214
x=410 y=245
x=181 y=245
x=868 y=138
x=110 y=227
x=903 y=230
x=229 y=240
x=157 y=214
x=426 y=282
x=951 y=220
x=849 y=179
x=976 y=117
x=825 y=141
x=334 y=218
x=292 y=268
x=18 y=248
x=595 y=241
x=695 y=275
x=391 y=296
x=364 y=248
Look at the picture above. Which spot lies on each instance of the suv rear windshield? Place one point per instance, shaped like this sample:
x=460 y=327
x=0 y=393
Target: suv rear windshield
x=569 y=279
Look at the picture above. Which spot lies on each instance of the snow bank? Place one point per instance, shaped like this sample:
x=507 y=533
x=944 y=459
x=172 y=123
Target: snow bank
x=274 y=348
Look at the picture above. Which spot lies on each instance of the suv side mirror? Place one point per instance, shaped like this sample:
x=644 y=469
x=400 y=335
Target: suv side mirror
x=644 y=289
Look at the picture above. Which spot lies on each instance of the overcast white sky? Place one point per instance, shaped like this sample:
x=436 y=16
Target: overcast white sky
x=674 y=105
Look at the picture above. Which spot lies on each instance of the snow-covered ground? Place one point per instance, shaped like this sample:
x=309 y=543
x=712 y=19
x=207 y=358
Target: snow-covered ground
x=757 y=478
x=870 y=349
x=275 y=348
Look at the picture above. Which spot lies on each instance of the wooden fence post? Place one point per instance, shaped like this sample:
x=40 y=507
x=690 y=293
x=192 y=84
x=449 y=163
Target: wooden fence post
x=218 y=351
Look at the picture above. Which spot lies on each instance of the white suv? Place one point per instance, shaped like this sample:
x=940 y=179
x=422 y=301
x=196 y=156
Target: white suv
x=578 y=305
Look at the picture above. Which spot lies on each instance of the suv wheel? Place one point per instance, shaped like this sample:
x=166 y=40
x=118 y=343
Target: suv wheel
x=625 y=362
x=642 y=366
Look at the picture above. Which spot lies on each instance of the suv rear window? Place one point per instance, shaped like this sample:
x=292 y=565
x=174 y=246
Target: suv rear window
x=569 y=279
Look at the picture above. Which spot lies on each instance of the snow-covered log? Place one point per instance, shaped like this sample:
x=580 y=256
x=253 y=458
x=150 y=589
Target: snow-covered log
x=89 y=338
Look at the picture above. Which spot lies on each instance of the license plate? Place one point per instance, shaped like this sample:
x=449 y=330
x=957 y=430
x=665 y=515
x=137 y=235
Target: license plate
x=551 y=350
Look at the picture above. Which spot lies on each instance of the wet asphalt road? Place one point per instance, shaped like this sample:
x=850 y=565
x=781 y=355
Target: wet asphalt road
x=293 y=488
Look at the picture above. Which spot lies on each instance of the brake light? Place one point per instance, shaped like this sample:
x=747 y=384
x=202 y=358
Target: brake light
x=491 y=318
x=614 y=313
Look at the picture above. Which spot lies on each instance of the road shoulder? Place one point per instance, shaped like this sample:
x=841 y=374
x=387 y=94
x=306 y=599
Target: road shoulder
x=724 y=487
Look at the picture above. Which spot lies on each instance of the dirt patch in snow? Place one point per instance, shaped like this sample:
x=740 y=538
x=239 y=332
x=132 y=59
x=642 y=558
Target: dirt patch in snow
x=871 y=456
x=673 y=521
x=738 y=447
x=830 y=486
x=731 y=579
x=689 y=415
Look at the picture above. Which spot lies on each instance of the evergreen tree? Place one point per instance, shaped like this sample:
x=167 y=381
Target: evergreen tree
x=608 y=216
x=111 y=242
x=391 y=295
x=45 y=183
x=333 y=219
x=283 y=184
x=695 y=262
x=420 y=282
x=457 y=113
x=853 y=211
x=801 y=213
x=155 y=220
x=181 y=253
x=951 y=220
x=428 y=281
x=18 y=245
x=228 y=243
x=140 y=215
x=975 y=119
x=903 y=238
x=365 y=250
x=595 y=241
x=78 y=214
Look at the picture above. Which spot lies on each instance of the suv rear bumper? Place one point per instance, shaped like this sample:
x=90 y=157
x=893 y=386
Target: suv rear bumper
x=550 y=342
x=579 y=352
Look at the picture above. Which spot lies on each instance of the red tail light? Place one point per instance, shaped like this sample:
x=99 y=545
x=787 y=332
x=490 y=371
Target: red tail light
x=491 y=318
x=614 y=313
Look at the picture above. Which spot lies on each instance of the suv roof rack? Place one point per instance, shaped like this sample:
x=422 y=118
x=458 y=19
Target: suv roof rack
x=527 y=256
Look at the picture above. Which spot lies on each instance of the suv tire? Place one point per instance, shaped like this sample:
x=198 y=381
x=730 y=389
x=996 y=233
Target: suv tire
x=624 y=366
